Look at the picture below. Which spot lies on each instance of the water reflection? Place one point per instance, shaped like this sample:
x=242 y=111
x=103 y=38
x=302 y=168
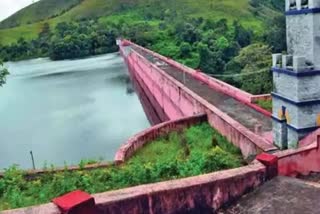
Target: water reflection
x=67 y=111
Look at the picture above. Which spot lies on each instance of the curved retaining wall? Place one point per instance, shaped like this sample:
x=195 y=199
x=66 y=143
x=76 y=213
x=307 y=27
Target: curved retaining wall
x=173 y=100
x=132 y=145
x=200 y=194
x=153 y=133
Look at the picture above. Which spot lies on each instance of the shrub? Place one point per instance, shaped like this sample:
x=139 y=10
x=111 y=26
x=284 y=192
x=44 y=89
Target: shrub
x=178 y=155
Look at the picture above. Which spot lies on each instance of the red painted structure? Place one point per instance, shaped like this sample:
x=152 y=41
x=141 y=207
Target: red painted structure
x=214 y=83
x=176 y=101
x=166 y=99
x=76 y=202
x=163 y=129
x=300 y=161
x=200 y=194
x=169 y=99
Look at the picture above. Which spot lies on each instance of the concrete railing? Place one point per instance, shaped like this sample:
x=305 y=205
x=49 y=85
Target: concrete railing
x=263 y=97
x=30 y=174
x=169 y=93
x=240 y=95
x=218 y=85
x=201 y=194
x=147 y=136
x=303 y=161
x=309 y=139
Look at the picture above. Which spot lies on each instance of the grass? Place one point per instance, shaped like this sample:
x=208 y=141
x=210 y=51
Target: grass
x=195 y=151
x=108 y=10
x=266 y=104
x=39 y=11
x=12 y=35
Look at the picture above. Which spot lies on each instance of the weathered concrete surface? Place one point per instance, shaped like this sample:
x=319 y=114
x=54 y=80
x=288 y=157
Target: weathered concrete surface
x=201 y=194
x=312 y=178
x=280 y=195
x=302 y=36
x=176 y=100
x=244 y=114
x=299 y=94
x=154 y=115
x=303 y=161
x=42 y=209
x=280 y=134
x=309 y=139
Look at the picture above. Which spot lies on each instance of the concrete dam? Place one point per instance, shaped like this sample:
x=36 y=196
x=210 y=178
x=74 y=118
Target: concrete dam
x=169 y=91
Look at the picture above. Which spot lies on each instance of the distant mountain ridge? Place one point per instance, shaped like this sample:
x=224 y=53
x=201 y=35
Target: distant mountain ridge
x=28 y=22
x=39 y=11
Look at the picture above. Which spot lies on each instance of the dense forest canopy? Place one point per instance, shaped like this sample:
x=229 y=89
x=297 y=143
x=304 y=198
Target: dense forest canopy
x=228 y=48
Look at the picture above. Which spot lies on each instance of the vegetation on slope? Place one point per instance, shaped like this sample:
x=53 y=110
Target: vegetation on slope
x=266 y=104
x=146 y=9
x=197 y=150
x=204 y=34
x=42 y=10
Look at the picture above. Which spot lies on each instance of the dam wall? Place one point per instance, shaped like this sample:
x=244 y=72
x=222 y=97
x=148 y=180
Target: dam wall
x=218 y=85
x=172 y=100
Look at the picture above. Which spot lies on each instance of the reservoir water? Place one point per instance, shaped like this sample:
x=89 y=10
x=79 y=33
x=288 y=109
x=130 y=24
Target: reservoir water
x=65 y=111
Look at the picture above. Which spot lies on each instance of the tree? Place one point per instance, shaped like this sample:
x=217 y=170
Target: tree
x=241 y=35
x=185 y=49
x=45 y=31
x=275 y=36
x=187 y=32
x=3 y=73
x=255 y=64
x=210 y=61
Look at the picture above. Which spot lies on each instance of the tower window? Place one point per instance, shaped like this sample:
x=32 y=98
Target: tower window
x=293 y=4
x=305 y=3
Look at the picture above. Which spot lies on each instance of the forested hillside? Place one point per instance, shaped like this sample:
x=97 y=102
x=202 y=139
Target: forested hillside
x=228 y=39
x=28 y=21
x=44 y=9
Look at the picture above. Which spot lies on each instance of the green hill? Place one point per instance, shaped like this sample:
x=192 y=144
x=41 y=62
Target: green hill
x=219 y=37
x=39 y=11
x=30 y=20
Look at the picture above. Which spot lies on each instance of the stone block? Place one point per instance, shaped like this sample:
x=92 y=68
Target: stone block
x=76 y=202
x=314 y=4
x=291 y=4
x=287 y=61
x=280 y=134
x=299 y=63
x=293 y=139
x=271 y=163
x=298 y=4
x=276 y=60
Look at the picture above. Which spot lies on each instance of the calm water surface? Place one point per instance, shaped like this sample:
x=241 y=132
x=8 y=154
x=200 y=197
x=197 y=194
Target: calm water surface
x=65 y=111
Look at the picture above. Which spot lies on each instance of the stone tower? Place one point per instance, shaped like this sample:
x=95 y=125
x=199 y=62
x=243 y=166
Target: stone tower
x=296 y=76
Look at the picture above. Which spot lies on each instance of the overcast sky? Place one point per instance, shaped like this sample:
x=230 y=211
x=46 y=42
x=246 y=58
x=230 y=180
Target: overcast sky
x=9 y=7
